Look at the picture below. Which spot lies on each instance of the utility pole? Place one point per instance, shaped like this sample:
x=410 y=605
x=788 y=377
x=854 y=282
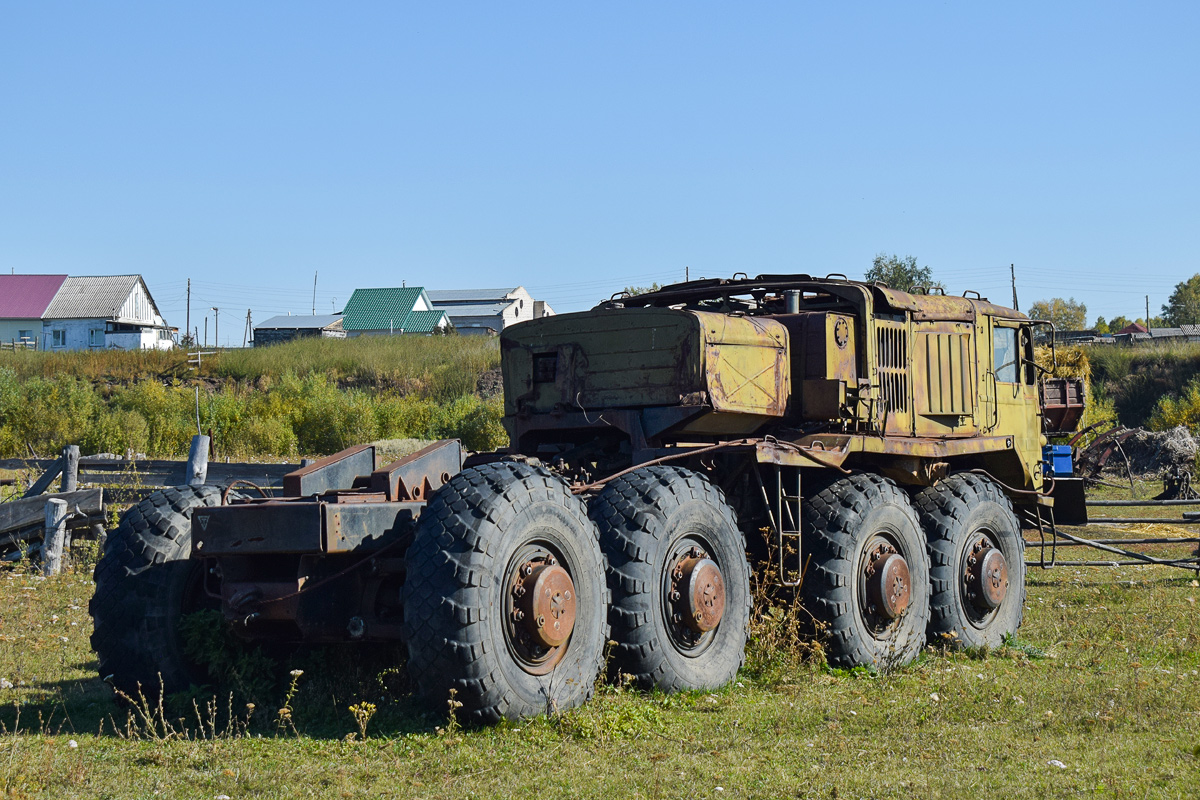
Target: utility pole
x=246 y=334
x=1012 y=268
x=206 y=330
x=314 y=311
x=217 y=328
x=1147 y=312
x=686 y=274
x=188 y=326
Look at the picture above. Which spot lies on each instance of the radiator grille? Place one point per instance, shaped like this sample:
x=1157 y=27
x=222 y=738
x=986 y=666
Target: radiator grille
x=891 y=353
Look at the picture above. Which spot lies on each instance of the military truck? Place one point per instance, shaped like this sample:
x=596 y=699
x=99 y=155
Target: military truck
x=875 y=449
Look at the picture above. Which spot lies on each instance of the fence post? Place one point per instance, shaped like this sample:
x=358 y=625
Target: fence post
x=55 y=535
x=197 y=463
x=70 y=473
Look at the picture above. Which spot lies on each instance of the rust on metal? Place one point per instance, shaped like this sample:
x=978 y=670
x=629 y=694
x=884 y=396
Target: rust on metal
x=418 y=475
x=986 y=575
x=541 y=607
x=888 y=581
x=702 y=593
x=547 y=604
x=337 y=471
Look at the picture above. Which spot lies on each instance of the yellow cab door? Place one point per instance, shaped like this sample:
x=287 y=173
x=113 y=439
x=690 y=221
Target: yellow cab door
x=1011 y=392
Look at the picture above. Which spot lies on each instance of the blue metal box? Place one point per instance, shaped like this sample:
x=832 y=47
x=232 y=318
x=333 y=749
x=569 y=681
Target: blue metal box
x=1058 y=460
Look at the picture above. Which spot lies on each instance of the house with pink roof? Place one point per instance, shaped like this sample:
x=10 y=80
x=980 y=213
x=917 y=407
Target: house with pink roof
x=23 y=302
x=91 y=312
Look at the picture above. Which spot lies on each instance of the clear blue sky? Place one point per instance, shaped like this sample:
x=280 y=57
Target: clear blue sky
x=579 y=148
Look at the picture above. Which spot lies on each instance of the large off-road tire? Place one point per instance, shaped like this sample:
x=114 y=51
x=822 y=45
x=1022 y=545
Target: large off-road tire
x=674 y=550
x=496 y=548
x=145 y=584
x=977 y=561
x=868 y=578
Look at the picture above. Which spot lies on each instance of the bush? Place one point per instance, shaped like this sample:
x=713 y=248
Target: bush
x=312 y=397
x=1183 y=409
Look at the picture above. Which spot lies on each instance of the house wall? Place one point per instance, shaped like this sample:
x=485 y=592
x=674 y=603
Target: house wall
x=518 y=310
x=269 y=336
x=146 y=339
x=78 y=334
x=522 y=308
x=477 y=325
x=138 y=308
x=10 y=329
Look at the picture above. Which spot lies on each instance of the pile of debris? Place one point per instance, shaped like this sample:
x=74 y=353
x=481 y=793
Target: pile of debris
x=1137 y=452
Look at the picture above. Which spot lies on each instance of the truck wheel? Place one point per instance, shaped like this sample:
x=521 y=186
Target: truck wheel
x=679 y=579
x=505 y=601
x=868 y=579
x=145 y=583
x=977 y=561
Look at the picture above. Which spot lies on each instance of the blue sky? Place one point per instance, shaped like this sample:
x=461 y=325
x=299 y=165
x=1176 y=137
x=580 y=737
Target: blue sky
x=579 y=148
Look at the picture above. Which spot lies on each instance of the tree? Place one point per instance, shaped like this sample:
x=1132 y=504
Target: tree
x=1067 y=315
x=1183 y=307
x=901 y=273
x=1118 y=324
x=654 y=287
x=1101 y=326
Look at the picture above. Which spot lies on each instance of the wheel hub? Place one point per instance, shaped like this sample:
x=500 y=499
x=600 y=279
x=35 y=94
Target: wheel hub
x=889 y=585
x=545 y=607
x=701 y=593
x=986 y=575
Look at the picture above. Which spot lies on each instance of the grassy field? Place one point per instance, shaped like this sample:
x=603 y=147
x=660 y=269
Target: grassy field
x=305 y=398
x=1099 y=696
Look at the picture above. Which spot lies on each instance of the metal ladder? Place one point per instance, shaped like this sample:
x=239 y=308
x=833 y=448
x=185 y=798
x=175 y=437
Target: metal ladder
x=784 y=514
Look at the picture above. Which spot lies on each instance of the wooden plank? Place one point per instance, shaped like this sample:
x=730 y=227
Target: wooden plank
x=28 y=511
x=154 y=472
x=43 y=483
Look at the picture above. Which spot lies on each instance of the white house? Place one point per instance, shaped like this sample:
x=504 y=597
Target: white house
x=99 y=311
x=488 y=311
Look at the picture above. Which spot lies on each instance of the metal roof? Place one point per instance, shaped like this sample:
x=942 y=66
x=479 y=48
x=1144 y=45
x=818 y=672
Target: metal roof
x=478 y=310
x=27 y=296
x=470 y=295
x=379 y=309
x=92 y=297
x=286 y=321
x=424 y=321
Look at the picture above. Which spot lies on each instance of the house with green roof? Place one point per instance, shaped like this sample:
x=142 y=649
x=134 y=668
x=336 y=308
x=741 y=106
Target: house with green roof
x=375 y=312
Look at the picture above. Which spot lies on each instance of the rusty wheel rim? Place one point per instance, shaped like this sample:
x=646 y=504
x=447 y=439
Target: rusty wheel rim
x=884 y=583
x=693 y=596
x=983 y=577
x=540 y=607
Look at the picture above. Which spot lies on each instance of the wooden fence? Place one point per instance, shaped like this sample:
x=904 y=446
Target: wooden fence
x=37 y=522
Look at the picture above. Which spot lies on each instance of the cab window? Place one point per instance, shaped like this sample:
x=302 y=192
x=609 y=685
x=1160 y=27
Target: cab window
x=1006 y=355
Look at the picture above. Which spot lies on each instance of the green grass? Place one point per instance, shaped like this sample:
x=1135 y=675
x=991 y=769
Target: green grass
x=1104 y=678
x=310 y=397
x=441 y=367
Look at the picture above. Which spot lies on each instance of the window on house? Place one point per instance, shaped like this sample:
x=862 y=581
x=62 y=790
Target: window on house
x=59 y=338
x=25 y=336
x=96 y=337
